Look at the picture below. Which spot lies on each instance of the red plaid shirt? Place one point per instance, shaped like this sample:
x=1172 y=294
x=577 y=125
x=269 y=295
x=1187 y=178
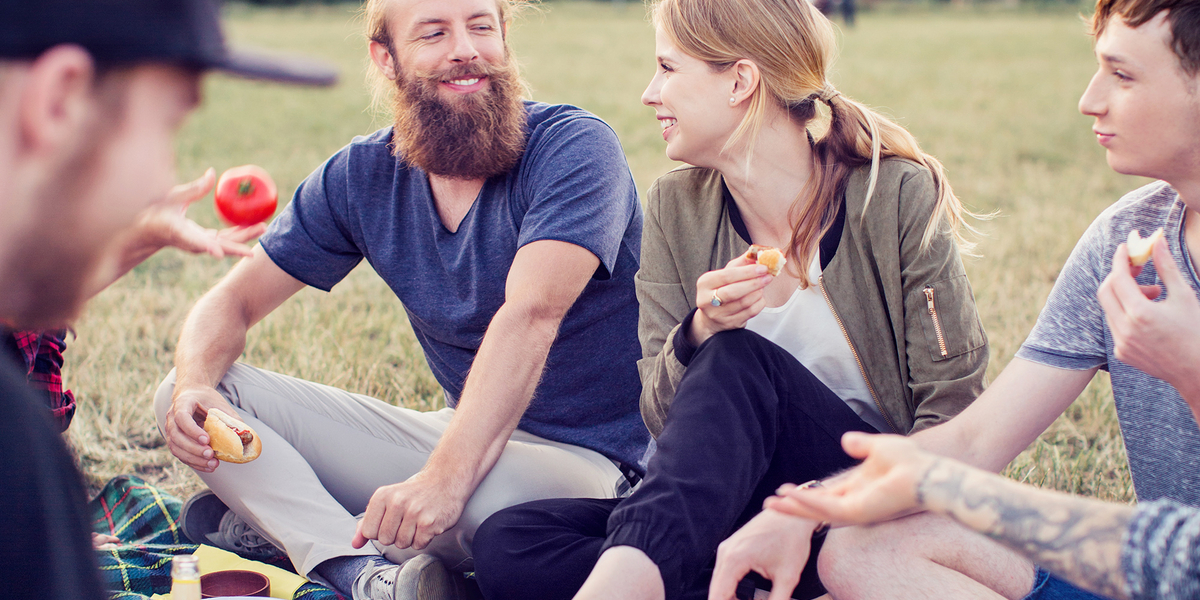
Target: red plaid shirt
x=43 y=360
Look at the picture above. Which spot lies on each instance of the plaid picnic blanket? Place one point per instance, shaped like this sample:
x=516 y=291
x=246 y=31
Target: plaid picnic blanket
x=147 y=521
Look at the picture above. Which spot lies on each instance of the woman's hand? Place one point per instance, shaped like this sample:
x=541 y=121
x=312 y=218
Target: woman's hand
x=739 y=288
x=772 y=544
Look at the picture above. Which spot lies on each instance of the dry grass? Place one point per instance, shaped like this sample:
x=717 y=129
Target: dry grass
x=991 y=93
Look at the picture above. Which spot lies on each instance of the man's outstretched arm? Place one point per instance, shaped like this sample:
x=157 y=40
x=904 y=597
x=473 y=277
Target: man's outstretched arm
x=166 y=224
x=543 y=283
x=1079 y=539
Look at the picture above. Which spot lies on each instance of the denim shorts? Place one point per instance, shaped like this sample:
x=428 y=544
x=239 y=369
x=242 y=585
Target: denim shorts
x=1049 y=587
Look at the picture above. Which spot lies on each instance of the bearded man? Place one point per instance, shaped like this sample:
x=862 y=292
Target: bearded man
x=510 y=231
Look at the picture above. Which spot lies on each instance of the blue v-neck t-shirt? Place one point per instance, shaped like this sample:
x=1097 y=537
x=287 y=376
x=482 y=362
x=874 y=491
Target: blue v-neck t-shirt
x=572 y=184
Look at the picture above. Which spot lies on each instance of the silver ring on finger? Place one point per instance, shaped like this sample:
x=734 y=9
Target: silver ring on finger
x=716 y=300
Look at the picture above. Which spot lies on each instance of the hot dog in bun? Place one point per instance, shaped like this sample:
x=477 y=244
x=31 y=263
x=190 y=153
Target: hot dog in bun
x=231 y=440
x=769 y=257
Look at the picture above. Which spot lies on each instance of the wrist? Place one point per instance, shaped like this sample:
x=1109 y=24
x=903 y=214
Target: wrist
x=1189 y=389
x=819 y=527
x=458 y=482
x=930 y=489
x=198 y=390
x=700 y=329
x=144 y=238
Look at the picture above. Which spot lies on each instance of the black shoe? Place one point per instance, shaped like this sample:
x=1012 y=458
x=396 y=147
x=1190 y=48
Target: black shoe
x=206 y=520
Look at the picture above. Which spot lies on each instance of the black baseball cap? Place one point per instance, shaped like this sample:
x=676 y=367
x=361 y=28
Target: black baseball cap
x=187 y=32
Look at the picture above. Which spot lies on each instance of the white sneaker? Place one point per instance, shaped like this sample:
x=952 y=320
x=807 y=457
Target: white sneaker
x=422 y=577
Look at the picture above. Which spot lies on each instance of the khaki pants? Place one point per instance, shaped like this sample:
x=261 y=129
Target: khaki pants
x=325 y=451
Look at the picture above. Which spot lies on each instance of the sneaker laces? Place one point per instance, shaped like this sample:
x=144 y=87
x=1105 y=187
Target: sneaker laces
x=235 y=534
x=376 y=581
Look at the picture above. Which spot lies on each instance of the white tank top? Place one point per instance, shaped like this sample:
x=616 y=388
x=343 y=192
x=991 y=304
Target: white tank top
x=806 y=327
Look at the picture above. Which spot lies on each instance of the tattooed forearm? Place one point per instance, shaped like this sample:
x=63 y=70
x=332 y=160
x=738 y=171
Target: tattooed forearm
x=1076 y=538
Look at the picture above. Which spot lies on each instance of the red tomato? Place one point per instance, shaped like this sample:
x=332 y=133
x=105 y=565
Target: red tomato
x=246 y=195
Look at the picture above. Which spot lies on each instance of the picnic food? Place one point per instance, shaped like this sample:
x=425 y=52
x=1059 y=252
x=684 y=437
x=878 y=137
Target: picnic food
x=246 y=195
x=231 y=440
x=1141 y=248
x=767 y=256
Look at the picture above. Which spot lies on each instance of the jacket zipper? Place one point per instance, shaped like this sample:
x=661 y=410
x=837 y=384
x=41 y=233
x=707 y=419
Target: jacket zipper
x=845 y=334
x=937 y=323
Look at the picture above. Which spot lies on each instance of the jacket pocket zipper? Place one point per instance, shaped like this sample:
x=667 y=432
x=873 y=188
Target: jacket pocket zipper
x=937 y=323
x=861 y=369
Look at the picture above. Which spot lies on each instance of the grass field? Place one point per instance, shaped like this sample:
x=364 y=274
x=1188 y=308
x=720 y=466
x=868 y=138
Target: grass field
x=992 y=93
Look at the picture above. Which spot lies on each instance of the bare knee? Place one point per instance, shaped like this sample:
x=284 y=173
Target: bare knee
x=855 y=561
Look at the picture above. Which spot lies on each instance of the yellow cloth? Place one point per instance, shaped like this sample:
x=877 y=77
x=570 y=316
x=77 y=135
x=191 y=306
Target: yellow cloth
x=283 y=583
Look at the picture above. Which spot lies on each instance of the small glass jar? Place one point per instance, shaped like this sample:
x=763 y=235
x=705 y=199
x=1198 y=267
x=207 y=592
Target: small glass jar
x=185 y=577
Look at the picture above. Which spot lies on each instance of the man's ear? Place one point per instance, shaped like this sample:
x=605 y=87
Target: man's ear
x=383 y=59
x=56 y=102
x=745 y=75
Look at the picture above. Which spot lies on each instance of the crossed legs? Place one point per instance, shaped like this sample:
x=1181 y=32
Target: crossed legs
x=746 y=418
x=326 y=451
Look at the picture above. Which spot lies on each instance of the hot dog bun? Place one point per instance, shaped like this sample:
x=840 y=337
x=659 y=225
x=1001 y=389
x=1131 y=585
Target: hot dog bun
x=769 y=257
x=231 y=440
x=1141 y=248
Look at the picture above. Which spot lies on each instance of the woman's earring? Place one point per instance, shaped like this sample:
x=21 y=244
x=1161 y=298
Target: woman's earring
x=732 y=100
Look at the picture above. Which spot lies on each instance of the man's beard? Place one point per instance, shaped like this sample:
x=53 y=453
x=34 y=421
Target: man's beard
x=56 y=258
x=474 y=136
x=51 y=266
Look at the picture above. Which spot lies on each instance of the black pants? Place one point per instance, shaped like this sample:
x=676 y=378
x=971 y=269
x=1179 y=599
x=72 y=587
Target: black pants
x=746 y=418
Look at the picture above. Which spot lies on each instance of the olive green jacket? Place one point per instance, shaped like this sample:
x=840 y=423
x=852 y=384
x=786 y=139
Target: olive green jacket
x=878 y=284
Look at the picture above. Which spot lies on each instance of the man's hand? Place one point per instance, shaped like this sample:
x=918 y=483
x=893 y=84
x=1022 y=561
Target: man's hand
x=410 y=514
x=166 y=224
x=772 y=544
x=1161 y=339
x=185 y=431
x=882 y=488
x=740 y=288
x=101 y=541
x=545 y=279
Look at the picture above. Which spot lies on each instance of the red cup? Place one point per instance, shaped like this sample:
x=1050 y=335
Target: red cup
x=234 y=583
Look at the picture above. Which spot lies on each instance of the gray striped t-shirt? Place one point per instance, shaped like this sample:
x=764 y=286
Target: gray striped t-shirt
x=1161 y=552
x=1161 y=436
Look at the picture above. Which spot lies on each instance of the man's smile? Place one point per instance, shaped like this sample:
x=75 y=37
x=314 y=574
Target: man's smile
x=466 y=85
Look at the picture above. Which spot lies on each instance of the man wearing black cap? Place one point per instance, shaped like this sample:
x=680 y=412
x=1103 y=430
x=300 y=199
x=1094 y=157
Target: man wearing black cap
x=91 y=95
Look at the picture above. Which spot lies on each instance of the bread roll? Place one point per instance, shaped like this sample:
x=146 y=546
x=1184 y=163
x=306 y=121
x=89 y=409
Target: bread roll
x=769 y=257
x=231 y=440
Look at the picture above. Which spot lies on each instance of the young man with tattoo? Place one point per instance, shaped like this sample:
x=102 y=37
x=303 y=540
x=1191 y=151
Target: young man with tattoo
x=1148 y=551
x=1143 y=326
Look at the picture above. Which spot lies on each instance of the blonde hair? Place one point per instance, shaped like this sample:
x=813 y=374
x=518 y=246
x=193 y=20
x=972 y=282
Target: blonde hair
x=794 y=46
x=374 y=16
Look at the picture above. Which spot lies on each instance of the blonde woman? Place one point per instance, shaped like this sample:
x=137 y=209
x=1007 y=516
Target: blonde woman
x=749 y=380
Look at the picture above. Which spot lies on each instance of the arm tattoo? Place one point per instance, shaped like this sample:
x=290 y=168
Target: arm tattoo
x=1076 y=538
